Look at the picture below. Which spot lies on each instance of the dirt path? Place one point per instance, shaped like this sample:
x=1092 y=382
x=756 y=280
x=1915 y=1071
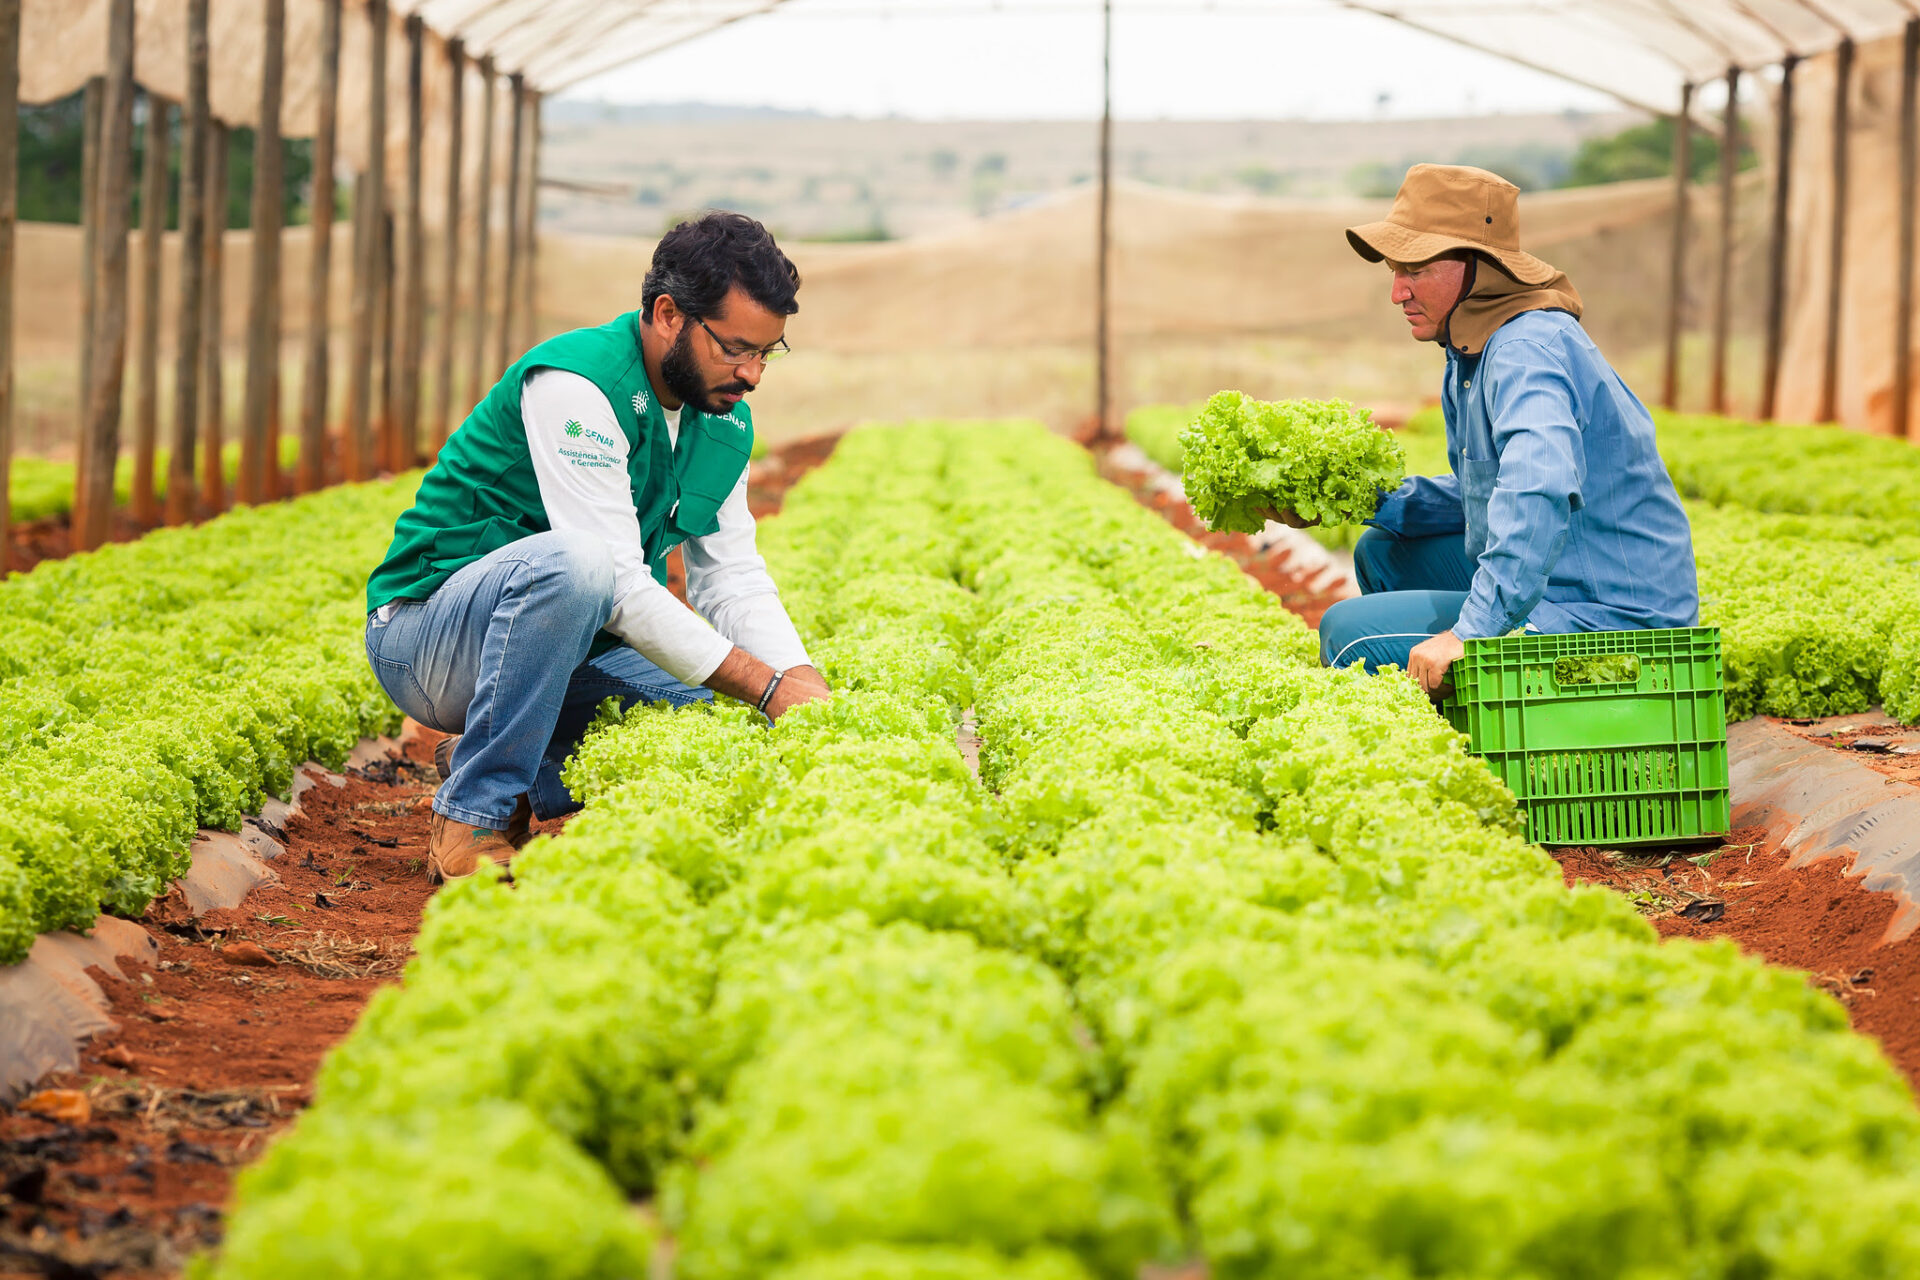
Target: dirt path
x=1815 y=917
x=217 y=1044
x=129 y=1170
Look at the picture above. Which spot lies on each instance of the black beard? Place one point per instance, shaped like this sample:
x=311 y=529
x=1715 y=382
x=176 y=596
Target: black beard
x=682 y=376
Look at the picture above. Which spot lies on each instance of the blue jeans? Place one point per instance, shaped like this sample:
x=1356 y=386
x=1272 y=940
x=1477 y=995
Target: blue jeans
x=1411 y=589
x=498 y=655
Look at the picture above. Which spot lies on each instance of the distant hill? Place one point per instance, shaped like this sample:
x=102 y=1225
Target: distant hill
x=568 y=111
x=826 y=177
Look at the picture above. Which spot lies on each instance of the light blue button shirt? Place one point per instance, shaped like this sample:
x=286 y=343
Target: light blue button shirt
x=1567 y=509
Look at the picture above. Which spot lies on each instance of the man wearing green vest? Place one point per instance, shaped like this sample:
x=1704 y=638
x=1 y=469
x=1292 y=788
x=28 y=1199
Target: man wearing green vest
x=527 y=583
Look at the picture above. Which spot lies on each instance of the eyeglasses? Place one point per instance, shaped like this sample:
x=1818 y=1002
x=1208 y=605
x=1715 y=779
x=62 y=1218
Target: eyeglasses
x=765 y=355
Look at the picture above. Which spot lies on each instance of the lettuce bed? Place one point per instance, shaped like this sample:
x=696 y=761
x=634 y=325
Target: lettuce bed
x=1223 y=956
x=155 y=687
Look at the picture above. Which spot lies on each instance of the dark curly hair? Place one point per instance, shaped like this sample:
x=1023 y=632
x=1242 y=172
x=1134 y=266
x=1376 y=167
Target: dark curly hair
x=698 y=261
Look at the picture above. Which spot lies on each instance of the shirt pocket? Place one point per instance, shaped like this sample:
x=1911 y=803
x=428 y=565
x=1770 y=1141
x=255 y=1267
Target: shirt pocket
x=1477 y=480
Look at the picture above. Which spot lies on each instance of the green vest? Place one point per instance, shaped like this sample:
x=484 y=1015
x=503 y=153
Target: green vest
x=481 y=493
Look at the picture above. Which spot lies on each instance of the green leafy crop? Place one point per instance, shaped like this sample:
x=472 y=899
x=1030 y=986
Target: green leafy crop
x=155 y=687
x=1323 y=459
x=1224 y=961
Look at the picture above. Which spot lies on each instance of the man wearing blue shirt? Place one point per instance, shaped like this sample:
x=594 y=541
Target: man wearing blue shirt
x=1559 y=515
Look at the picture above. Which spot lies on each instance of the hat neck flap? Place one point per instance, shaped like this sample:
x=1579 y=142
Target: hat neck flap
x=1494 y=297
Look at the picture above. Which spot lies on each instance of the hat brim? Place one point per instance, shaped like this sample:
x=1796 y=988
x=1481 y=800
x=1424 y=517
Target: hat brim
x=1380 y=241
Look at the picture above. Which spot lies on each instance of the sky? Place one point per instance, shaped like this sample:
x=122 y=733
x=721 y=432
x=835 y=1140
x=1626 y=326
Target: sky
x=989 y=62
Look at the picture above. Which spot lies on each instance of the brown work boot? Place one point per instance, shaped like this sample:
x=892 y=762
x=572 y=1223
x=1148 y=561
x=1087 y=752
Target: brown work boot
x=519 y=826
x=454 y=849
x=443 y=756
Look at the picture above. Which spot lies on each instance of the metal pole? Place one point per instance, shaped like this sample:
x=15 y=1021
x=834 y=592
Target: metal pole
x=368 y=197
x=1837 y=241
x=1903 y=315
x=213 y=427
x=91 y=100
x=483 y=230
x=313 y=401
x=195 y=199
x=1677 y=267
x=9 y=214
x=1723 y=284
x=515 y=160
x=1777 y=242
x=1103 y=270
x=406 y=434
x=450 y=262
x=153 y=226
x=263 y=292
x=100 y=443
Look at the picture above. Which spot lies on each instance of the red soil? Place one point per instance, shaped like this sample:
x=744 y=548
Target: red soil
x=1814 y=917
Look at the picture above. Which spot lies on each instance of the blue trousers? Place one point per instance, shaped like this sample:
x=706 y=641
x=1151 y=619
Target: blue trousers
x=1411 y=589
x=498 y=655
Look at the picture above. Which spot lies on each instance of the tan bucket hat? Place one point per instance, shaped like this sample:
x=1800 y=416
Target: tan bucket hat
x=1443 y=207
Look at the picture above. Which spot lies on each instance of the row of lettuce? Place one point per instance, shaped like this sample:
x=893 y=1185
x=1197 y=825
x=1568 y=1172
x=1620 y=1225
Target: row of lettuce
x=1221 y=957
x=42 y=488
x=1807 y=540
x=159 y=686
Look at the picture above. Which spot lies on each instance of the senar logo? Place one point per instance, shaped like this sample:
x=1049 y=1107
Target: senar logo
x=573 y=428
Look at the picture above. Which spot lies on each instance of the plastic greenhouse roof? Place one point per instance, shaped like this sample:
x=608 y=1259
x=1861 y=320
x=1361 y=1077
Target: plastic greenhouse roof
x=1639 y=51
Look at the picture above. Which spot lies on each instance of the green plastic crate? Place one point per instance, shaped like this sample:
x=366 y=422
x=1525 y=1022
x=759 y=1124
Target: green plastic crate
x=1605 y=737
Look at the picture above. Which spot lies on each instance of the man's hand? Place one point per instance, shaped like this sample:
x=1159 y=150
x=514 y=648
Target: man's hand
x=800 y=684
x=743 y=676
x=1432 y=658
x=1286 y=516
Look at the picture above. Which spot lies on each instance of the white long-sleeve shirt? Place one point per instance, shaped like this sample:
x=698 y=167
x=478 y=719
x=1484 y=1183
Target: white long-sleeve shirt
x=584 y=486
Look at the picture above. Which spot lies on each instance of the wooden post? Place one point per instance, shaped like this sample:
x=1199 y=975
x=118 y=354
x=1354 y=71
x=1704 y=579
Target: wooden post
x=313 y=401
x=1103 y=241
x=1677 y=266
x=483 y=231
x=413 y=299
x=195 y=200
x=9 y=214
x=1730 y=142
x=1837 y=234
x=529 y=294
x=369 y=194
x=384 y=445
x=1777 y=242
x=153 y=226
x=100 y=441
x=213 y=427
x=258 y=466
x=91 y=101
x=509 y=326
x=1903 y=315
x=450 y=282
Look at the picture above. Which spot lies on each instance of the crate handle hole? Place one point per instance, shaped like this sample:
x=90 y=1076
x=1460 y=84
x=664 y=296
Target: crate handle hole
x=1596 y=668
